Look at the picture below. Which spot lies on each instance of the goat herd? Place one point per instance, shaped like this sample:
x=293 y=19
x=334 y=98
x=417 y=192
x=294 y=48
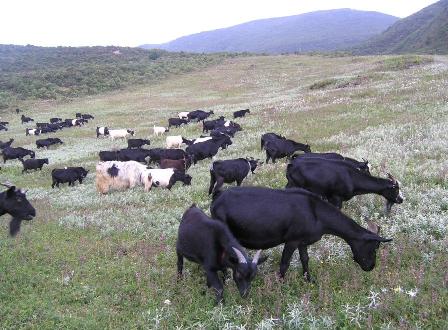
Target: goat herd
x=242 y=217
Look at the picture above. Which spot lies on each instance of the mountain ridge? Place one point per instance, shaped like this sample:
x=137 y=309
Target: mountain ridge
x=425 y=31
x=325 y=30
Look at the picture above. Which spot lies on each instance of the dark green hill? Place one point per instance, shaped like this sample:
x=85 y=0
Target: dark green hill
x=423 y=32
x=316 y=31
x=61 y=72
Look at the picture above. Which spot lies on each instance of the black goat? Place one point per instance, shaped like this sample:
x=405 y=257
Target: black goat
x=69 y=174
x=211 y=244
x=240 y=113
x=338 y=181
x=138 y=155
x=16 y=153
x=13 y=201
x=362 y=166
x=45 y=143
x=262 y=218
x=231 y=170
x=138 y=143
x=6 y=144
x=106 y=156
x=33 y=164
x=176 y=122
x=25 y=119
x=199 y=115
x=278 y=148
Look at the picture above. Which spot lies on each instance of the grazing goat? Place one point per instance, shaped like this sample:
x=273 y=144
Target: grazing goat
x=199 y=115
x=270 y=137
x=138 y=155
x=363 y=166
x=207 y=149
x=174 y=141
x=33 y=164
x=208 y=125
x=121 y=175
x=180 y=164
x=108 y=155
x=240 y=113
x=167 y=177
x=263 y=218
x=183 y=115
x=156 y=154
x=160 y=130
x=340 y=181
x=101 y=131
x=16 y=153
x=13 y=201
x=138 y=143
x=68 y=175
x=6 y=144
x=231 y=170
x=32 y=131
x=120 y=133
x=25 y=119
x=45 y=143
x=211 y=244
x=279 y=148
x=176 y=122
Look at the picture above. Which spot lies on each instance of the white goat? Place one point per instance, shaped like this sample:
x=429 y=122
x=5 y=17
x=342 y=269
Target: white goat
x=121 y=175
x=183 y=115
x=120 y=133
x=173 y=141
x=159 y=130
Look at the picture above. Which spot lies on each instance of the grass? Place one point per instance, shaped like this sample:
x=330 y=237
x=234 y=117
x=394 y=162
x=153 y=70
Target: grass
x=90 y=261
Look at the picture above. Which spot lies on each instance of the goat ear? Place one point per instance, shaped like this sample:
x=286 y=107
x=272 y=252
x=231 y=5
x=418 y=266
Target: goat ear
x=373 y=227
x=11 y=191
x=375 y=237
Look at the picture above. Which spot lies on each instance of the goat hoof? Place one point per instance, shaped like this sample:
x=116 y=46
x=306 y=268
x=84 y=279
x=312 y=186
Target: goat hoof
x=309 y=278
x=280 y=276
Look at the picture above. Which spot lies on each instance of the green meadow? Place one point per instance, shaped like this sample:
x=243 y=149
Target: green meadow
x=90 y=261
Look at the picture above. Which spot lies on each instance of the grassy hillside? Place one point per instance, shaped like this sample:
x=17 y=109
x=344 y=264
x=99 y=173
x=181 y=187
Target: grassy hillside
x=90 y=261
x=316 y=31
x=423 y=32
x=66 y=72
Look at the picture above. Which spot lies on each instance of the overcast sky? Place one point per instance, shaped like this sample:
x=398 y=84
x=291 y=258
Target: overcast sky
x=135 y=22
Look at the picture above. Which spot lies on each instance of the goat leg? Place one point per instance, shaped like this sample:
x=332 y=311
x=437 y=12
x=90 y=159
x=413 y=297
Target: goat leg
x=304 y=258
x=287 y=253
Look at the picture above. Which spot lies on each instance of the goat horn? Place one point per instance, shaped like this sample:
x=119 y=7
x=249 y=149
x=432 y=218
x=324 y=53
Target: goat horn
x=365 y=160
x=256 y=257
x=241 y=258
x=390 y=176
x=7 y=184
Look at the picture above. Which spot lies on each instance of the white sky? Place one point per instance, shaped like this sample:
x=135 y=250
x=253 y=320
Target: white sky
x=135 y=22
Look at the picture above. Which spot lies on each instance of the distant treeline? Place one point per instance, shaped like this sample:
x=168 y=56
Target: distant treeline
x=30 y=72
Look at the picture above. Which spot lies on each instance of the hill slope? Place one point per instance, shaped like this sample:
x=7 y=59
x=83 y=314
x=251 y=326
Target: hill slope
x=423 y=32
x=52 y=73
x=315 y=31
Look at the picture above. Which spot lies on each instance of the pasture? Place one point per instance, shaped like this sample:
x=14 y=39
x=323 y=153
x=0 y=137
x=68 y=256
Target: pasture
x=91 y=261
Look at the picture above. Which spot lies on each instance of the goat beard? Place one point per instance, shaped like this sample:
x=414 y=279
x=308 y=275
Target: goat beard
x=388 y=207
x=14 y=226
